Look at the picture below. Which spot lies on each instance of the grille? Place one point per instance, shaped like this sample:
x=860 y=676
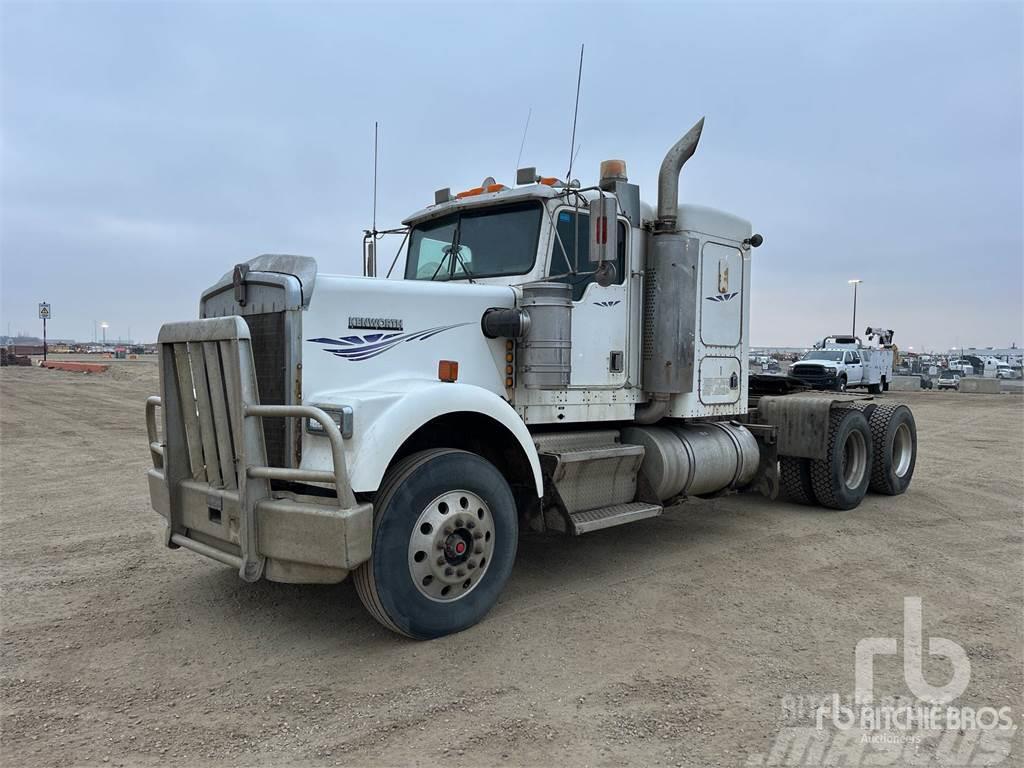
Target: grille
x=650 y=297
x=269 y=349
x=813 y=374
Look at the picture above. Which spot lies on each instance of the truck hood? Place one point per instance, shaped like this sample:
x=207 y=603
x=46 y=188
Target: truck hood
x=366 y=332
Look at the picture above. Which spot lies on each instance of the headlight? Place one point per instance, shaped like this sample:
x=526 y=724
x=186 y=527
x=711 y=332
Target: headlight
x=343 y=416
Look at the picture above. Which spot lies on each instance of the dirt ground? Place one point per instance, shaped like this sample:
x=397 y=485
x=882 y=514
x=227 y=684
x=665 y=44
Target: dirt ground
x=675 y=641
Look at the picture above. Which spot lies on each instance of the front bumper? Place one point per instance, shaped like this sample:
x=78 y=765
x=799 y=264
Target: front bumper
x=817 y=377
x=210 y=480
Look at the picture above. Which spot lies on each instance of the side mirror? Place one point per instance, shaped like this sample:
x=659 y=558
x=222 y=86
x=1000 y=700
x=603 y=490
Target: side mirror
x=605 y=274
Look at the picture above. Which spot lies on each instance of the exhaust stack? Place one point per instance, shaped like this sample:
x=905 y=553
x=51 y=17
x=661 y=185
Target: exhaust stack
x=670 y=293
x=668 y=177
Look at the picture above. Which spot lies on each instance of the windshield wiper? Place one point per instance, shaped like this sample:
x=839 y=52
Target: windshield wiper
x=462 y=263
x=448 y=250
x=453 y=251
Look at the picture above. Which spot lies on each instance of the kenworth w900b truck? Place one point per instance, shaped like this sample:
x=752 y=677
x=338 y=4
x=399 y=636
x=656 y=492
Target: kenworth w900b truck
x=557 y=359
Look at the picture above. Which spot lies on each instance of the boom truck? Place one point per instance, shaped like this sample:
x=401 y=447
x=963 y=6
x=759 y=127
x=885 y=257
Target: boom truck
x=842 y=362
x=556 y=359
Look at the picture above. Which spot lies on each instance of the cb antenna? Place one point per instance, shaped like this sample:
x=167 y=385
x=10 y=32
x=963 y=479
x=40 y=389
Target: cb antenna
x=522 y=144
x=370 y=237
x=575 y=114
x=374 y=178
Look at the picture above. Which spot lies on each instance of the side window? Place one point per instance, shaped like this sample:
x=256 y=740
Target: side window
x=855 y=358
x=568 y=225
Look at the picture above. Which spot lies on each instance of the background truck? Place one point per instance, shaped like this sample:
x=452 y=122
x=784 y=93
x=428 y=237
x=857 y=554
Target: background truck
x=557 y=359
x=843 y=362
x=949 y=379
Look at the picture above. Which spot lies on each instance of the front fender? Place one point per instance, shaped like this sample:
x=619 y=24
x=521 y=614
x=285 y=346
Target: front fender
x=384 y=420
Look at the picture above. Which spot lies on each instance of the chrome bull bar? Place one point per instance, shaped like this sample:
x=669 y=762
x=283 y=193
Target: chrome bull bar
x=210 y=470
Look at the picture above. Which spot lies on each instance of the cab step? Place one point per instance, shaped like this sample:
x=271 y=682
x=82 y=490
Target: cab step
x=590 y=468
x=607 y=517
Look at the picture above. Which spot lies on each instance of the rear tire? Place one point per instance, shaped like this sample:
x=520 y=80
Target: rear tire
x=444 y=539
x=795 y=479
x=894 y=439
x=840 y=481
x=875 y=389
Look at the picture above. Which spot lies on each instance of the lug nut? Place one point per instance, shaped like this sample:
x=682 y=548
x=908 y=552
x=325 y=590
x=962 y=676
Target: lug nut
x=460 y=573
x=471 y=525
x=478 y=551
x=440 y=560
x=448 y=571
x=478 y=535
x=471 y=564
x=448 y=530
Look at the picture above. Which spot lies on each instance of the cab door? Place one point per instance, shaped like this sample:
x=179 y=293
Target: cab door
x=854 y=368
x=600 y=316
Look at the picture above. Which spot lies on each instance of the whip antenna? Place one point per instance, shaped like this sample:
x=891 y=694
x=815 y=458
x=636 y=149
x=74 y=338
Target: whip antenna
x=522 y=144
x=370 y=235
x=575 y=113
x=375 y=178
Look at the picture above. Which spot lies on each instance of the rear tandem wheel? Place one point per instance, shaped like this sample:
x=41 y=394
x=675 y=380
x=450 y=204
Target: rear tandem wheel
x=840 y=480
x=795 y=479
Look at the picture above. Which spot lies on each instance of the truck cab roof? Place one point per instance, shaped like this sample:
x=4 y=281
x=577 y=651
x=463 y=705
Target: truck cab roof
x=695 y=218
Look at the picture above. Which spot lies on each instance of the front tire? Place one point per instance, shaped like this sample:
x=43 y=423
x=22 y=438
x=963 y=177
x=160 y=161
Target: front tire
x=841 y=383
x=840 y=481
x=444 y=541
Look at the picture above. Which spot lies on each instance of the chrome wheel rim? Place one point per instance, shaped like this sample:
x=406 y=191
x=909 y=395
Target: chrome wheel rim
x=855 y=459
x=451 y=546
x=902 y=450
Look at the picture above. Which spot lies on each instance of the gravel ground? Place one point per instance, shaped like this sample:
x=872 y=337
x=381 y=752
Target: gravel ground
x=675 y=641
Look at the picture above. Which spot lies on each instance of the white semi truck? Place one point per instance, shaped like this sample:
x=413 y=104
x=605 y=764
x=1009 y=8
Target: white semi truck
x=557 y=359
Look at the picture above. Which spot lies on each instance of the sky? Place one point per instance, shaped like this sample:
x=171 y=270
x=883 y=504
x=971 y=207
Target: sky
x=145 y=148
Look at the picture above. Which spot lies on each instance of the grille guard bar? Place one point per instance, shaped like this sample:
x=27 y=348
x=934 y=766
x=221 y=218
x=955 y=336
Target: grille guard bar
x=213 y=435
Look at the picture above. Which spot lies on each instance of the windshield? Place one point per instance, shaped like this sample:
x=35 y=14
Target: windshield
x=486 y=242
x=948 y=374
x=824 y=355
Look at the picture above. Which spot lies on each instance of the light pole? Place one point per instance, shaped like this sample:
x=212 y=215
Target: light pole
x=854 y=283
x=104 y=326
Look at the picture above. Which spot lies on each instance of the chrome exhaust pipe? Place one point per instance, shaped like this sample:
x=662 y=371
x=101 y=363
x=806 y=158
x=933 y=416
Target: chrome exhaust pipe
x=668 y=177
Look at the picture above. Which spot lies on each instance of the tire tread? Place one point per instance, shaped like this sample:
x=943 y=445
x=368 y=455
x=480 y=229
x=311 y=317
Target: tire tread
x=794 y=477
x=879 y=423
x=366 y=585
x=821 y=470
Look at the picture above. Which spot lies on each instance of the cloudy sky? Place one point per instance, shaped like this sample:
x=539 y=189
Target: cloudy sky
x=148 y=147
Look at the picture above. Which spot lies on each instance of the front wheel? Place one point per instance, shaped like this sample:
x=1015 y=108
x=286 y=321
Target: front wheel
x=444 y=540
x=841 y=384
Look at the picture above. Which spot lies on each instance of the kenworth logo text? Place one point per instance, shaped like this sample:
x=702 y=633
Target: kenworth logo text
x=375 y=323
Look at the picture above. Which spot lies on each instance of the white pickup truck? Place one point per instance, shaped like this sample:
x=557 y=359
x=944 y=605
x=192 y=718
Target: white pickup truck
x=843 y=362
